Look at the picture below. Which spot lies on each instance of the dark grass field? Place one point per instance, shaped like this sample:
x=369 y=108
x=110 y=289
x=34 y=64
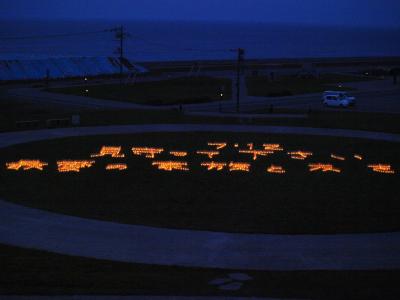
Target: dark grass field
x=293 y=85
x=172 y=91
x=12 y=112
x=356 y=200
x=368 y=121
x=34 y=272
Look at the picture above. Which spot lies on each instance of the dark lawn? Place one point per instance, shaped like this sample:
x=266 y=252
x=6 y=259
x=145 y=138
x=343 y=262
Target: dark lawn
x=356 y=200
x=368 y=121
x=30 y=272
x=173 y=91
x=293 y=85
x=12 y=112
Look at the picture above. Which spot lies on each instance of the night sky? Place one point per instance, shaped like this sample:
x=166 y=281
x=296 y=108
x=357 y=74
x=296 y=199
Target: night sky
x=355 y=13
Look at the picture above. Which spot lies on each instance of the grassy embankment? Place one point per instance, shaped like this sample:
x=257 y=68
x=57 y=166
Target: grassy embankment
x=166 y=92
x=33 y=272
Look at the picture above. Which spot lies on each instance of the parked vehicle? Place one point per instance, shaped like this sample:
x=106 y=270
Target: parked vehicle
x=337 y=99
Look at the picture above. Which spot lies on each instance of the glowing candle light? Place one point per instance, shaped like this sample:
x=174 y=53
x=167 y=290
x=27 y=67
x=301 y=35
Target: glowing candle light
x=323 y=168
x=273 y=147
x=337 y=157
x=217 y=145
x=178 y=153
x=147 y=152
x=26 y=164
x=73 y=165
x=276 y=169
x=300 y=155
x=357 y=156
x=210 y=154
x=113 y=151
x=382 y=168
x=218 y=166
x=256 y=153
x=171 y=165
x=116 y=167
x=239 y=166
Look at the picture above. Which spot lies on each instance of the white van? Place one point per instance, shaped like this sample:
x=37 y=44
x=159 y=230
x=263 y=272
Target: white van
x=337 y=99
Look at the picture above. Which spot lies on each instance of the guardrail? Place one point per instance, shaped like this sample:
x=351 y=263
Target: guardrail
x=74 y=120
x=27 y=124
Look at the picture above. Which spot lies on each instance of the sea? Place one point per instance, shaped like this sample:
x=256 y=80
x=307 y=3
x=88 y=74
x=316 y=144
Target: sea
x=183 y=40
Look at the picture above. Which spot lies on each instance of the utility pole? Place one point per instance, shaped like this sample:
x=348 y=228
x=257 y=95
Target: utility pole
x=240 y=60
x=121 y=51
x=120 y=35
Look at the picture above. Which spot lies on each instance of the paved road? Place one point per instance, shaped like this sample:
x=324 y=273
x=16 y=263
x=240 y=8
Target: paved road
x=19 y=137
x=32 y=228
x=372 y=96
x=379 y=96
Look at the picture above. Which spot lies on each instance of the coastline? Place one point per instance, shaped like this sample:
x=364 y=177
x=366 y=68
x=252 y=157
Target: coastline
x=283 y=62
x=18 y=71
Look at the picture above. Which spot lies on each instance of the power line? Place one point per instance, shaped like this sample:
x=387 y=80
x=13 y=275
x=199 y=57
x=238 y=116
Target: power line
x=121 y=35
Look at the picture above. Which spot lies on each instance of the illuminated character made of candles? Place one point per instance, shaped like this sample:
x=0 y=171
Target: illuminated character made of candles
x=26 y=164
x=113 y=151
x=209 y=153
x=218 y=146
x=73 y=165
x=323 y=168
x=239 y=166
x=116 y=167
x=212 y=165
x=300 y=155
x=256 y=153
x=273 y=147
x=178 y=153
x=276 y=169
x=338 y=157
x=147 y=152
x=171 y=165
x=382 y=168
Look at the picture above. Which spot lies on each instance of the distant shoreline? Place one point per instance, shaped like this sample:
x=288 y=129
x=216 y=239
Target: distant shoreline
x=289 y=60
x=294 y=59
x=276 y=62
x=28 y=70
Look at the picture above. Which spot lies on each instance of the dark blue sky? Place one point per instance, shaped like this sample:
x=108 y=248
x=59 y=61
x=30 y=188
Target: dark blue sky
x=369 y=13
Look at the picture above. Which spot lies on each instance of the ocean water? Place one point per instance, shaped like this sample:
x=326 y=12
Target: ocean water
x=164 y=41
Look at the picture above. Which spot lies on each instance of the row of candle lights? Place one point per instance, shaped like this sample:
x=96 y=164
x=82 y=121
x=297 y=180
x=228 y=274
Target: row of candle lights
x=77 y=165
x=151 y=152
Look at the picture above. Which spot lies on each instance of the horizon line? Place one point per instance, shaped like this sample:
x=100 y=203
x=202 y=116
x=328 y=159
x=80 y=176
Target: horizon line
x=253 y=22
